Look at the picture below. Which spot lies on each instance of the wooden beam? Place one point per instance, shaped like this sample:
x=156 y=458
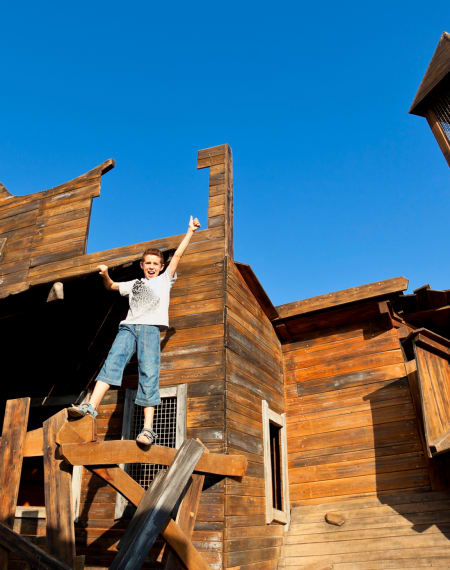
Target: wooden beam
x=127 y=451
x=187 y=513
x=156 y=507
x=172 y=534
x=58 y=494
x=56 y=292
x=78 y=430
x=219 y=160
x=28 y=551
x=2 y=245
x=257 y=289
x=83 y=430
x=377 y=289
x=11 y=458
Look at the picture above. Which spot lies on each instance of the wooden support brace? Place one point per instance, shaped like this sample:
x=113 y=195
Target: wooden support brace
x=56 y=292
x=11 y=457
x=58 y=494
x=172 y=533
x=187 y=513
x=127 y=451
x=156 y=507
x=28 y=551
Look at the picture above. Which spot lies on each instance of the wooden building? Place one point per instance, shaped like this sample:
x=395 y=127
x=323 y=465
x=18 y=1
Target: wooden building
x=339 y=405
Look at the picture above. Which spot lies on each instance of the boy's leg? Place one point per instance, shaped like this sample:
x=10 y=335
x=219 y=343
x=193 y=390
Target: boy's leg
x=149 y=413
x=122 y=349
x=148 y=352
x=98 y=392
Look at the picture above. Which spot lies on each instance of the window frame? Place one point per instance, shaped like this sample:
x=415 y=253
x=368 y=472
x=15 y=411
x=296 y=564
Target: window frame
x=180 y=392
x=272 y=514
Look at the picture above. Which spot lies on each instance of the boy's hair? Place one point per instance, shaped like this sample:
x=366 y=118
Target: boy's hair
x=153 y=251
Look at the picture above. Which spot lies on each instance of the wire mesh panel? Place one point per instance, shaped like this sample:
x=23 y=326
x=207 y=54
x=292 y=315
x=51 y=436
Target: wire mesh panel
x=165 y=425
x=441 y=109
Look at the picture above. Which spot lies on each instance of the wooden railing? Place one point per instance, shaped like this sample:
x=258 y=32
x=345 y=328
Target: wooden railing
x=63 y=443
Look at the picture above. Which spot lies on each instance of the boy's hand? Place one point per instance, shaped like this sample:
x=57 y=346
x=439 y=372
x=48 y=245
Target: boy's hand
x=102 y=269
x=194 y=224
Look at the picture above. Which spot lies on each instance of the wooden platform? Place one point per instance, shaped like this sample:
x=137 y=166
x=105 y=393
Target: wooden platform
x=403 y=531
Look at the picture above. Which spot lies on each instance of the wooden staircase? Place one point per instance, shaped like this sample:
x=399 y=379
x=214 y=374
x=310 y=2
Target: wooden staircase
x=408 y=531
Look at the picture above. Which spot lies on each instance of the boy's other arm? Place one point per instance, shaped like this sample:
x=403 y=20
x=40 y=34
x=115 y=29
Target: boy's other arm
x=107 y=281
x=193 y=226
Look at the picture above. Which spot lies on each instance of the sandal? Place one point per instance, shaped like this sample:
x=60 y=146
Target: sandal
x=147 y=437
x=82 y=410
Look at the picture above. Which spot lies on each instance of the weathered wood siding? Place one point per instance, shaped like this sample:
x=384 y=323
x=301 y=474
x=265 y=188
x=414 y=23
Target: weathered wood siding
x=192 y=353
x=253 y=374
x=352 y=427
x=45 y=227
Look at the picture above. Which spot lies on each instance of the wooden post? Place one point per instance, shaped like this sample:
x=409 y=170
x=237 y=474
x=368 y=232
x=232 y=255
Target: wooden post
x=156 y=507
x=58 y=494
x=219 y=160
x=11 y=458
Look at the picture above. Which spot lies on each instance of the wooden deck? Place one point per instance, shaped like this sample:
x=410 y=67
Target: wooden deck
x=402 y=531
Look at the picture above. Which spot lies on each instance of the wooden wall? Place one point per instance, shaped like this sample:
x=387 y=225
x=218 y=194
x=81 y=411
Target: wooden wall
x=352 y=428
x=253 y=373
x=192 y=353
x=45 y=227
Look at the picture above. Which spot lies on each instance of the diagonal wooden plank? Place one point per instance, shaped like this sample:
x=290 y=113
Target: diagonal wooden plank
x=156 y=507
x=187 y=513
x=28 y=551
x=11 y=458
x=58 y=493
x=172 y=533
x=124 y=451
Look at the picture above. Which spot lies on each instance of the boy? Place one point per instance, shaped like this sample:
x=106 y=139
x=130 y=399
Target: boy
x=147 y=315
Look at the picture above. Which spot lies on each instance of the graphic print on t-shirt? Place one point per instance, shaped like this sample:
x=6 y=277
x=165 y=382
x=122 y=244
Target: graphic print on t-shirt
x=143 y=298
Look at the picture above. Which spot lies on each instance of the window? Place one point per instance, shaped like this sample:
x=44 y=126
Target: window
x=275 y=466
x=170 y=425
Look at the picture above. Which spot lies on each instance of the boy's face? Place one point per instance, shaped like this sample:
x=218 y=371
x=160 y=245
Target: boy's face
x=151 y=266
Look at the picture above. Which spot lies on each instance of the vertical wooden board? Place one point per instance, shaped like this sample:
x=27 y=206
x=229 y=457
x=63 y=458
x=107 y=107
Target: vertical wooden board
x=58 y=493
x=11 y=457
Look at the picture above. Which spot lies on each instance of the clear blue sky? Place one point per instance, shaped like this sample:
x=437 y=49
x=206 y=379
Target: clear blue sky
x=335 y=184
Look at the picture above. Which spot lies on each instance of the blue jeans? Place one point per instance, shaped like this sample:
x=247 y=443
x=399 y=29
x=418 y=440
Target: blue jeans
x=146 y=340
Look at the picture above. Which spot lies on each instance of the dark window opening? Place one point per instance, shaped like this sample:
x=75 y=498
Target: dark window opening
x=275 y=460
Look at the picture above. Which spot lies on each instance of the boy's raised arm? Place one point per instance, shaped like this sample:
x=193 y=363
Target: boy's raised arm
x=193 y=226
x=107 y=281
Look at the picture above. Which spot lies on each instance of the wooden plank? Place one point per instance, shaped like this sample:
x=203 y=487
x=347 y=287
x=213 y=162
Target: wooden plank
x=172 y=533
x=58 y=494
x=377 y=289
x=155 y=508
x=187 y=513
x=11 y=458
x=257 y=290
x=113 y=452
x=372 y=374
x=28 y=551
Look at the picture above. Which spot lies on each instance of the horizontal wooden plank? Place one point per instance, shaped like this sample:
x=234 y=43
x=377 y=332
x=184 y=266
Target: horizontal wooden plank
x=379 y=288
x=320 y=354
x=415 y=478
x=349 y=365
x=390 y=367
x=388 y=433
x=405 y=411
x=358 y=467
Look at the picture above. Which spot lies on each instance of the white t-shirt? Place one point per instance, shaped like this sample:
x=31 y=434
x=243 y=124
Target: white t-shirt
x=148 y=300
